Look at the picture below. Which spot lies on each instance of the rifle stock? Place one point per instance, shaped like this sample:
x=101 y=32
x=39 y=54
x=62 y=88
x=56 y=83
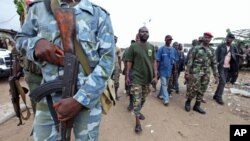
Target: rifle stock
x=65 y=18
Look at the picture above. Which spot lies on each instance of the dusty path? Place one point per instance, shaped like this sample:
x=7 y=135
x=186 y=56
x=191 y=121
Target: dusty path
x=162 y=123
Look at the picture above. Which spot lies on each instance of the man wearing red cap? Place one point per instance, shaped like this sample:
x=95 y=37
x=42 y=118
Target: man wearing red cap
x=198 y=72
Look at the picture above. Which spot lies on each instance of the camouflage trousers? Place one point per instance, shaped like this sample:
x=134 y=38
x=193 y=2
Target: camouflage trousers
x=115 y=77
x=172 y=82
x=85 y=128
x=33 y=81
x=197 y=86
x=188 y=88
x=139 y=92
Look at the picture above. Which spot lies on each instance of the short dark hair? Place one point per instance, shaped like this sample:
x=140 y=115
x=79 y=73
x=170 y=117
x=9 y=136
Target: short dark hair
x=169 y=37
x=230 y=35
x=142 y=28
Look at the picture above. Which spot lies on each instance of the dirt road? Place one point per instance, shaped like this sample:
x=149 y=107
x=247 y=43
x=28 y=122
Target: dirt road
x=162 y=123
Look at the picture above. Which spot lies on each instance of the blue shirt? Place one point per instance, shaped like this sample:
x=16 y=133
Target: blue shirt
x=166 y=56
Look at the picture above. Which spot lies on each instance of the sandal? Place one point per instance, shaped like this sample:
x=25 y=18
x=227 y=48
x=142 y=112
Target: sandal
x=138 y=128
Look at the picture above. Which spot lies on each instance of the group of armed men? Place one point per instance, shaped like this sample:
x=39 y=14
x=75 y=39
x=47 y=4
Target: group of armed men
x=167 y=62
x=145 y=64
x=40 y=43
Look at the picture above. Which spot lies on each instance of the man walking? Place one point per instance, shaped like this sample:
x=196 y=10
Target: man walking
x=225 y=55
x=117 y=69
x=165 y=61
x=174 y=75
x=141 y=62
x=128 y=87
x=195 y=42
x=198 y=72
x=181 y=66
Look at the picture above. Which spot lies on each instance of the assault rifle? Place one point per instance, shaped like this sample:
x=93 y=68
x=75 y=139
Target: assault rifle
x=16 y=89
x=66 y=22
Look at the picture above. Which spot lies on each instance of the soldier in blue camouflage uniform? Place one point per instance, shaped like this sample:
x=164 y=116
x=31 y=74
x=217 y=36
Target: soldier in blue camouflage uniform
x=40 y=39
x=198 y=72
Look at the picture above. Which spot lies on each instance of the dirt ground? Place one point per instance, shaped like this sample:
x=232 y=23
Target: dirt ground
x=162 y=123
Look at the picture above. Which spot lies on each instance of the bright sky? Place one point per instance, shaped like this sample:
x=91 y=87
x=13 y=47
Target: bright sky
x=183 y=19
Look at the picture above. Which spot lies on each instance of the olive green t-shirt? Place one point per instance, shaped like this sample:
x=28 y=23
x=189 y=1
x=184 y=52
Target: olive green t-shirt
x=142 y=57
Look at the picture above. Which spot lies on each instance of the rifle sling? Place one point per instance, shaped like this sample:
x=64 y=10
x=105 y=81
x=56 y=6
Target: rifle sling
x=83 y=59
x=22 y=93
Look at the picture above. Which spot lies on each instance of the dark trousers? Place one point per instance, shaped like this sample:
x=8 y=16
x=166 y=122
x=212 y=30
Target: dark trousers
x=223 y=72
x=233 y=73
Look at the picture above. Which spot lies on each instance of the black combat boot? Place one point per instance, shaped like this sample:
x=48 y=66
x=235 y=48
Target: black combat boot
x=197 y=108
x=188 y=105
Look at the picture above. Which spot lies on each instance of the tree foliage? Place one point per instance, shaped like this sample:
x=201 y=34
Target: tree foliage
x=21 y=9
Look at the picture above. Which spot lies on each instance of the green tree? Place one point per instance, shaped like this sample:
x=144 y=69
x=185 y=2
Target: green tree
x=21 y=9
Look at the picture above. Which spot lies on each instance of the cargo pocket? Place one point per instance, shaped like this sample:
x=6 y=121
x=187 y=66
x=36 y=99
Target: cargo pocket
x=87 y=39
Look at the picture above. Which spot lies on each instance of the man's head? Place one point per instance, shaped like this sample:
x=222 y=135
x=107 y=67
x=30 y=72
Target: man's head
x=200 y=40
x=156 y=48
x=229 y=38
x=240 y=44
x=194 y=42
x=175 y=45
x=143 y=34
x=207 y=37
x=180 y=47
x=168 y=39
x=132 y=41
x=116 y=38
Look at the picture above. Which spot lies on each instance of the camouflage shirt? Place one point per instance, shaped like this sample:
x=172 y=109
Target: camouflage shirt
x=95 y=34
x=200 y=61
